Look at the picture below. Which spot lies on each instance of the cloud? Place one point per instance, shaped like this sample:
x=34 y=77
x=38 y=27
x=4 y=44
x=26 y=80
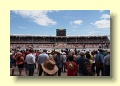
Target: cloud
x=105 y=16
x=39 y=17
x=101 y=10
x=21 y=27
x=77 y=22
x=102 y=24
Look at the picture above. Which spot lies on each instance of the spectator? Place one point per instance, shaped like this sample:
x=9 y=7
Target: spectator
x=80 y=64
x=59 y=62
x=41 y=59
x=20 y=62
x=99 y=63
x=49 y=67
x=107 y=64
x=12 y=63
x=30 y=60
x=64 y=61
x=71 y=67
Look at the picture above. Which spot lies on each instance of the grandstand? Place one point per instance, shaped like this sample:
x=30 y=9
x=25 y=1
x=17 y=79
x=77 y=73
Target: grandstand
x=36 y=41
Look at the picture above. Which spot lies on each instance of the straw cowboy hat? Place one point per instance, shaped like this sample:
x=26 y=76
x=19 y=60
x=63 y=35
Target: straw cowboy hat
x=49 y=51
x=58 y=51
x=108 y=51
x=71 y=50
x=49 y=66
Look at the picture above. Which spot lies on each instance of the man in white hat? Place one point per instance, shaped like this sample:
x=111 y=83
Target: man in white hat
x=59 y=62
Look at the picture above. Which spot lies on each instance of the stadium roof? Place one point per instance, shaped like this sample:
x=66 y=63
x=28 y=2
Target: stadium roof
x=59 y=36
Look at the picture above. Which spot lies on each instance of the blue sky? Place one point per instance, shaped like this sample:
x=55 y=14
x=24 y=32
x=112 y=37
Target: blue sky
x=45 y=22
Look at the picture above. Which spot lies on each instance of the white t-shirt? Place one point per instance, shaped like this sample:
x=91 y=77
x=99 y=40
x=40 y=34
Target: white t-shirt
x=30 y=59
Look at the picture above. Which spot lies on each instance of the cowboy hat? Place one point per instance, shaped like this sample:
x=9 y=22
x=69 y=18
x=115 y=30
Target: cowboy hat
x=108 y=51
x=49 y=66
x=48 y=51
x=58 y=51
x=63 y=53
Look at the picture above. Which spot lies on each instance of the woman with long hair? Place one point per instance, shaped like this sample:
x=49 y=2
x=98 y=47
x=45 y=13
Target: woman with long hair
x=71 y=67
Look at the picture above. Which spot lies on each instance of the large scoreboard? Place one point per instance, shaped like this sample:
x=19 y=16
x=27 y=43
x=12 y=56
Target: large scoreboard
x=60 y=32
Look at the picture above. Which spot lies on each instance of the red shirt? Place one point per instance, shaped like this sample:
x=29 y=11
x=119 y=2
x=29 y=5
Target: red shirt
x=23 y=55
x=71 y=72
x=21 y=61
x=28 y=52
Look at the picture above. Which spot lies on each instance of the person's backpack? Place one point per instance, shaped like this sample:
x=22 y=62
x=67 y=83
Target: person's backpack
x=70 y=65
x=87 y=68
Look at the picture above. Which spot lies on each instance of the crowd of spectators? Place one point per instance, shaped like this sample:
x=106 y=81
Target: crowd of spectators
x=17 y=39
x=55 y=61
x=60 y=45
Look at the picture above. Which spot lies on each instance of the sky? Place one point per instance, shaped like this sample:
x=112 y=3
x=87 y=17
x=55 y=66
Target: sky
x=45 y=22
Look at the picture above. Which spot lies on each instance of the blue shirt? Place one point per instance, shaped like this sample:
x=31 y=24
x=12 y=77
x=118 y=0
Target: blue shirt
x=99 y=58
x=42 y=57
x=80 y=61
